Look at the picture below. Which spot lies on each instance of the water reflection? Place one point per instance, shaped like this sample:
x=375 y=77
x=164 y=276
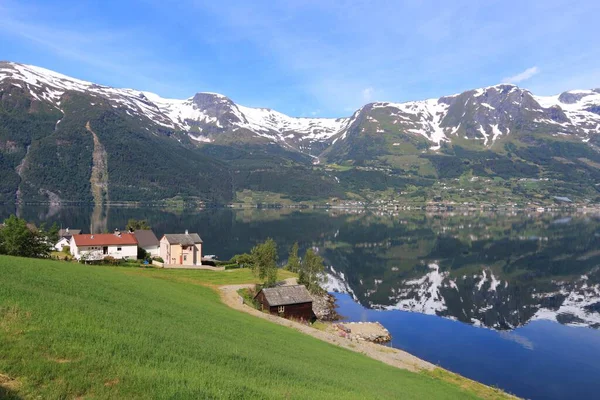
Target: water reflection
x=495 y=270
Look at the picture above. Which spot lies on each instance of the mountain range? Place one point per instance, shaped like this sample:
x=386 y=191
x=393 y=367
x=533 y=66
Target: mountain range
x=63 y=139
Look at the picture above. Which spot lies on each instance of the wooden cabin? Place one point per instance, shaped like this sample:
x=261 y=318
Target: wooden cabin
x=292 y=302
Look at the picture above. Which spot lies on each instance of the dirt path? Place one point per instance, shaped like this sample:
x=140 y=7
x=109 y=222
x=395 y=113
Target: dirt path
x=388 y=355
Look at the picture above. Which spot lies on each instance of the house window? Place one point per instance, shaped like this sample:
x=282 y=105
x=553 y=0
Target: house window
x=118 y=249
x=281 y=309
x=185 y=257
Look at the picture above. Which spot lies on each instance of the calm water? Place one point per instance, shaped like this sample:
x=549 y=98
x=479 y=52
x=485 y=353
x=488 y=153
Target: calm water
x=509 y=300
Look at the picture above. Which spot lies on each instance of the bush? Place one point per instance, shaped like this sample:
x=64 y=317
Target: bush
x=142 y=254
x=248 y=297
x=66 y=249
x=159 y=259
x=111 y=260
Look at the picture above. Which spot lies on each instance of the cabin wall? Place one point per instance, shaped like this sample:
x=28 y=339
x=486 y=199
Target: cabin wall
x=302 y=311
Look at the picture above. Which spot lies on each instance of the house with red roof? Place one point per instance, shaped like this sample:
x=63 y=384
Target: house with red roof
x=97 y=246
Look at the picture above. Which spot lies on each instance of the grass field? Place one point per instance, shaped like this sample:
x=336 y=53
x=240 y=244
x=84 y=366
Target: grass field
x=75 y=331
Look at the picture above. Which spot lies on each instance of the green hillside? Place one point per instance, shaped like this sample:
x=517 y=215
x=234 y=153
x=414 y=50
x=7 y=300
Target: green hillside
x=74 y=331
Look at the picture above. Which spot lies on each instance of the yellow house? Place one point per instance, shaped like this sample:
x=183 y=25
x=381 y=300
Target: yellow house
x=181 y=249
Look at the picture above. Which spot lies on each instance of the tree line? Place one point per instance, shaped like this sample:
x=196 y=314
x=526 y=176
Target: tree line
x=263 y=259
x=18 y=238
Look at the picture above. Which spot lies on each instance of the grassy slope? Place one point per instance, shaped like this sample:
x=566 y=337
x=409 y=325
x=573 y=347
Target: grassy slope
x=69 y=330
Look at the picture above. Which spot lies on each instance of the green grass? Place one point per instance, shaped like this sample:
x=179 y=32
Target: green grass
x=69 y=330
x=206 y=277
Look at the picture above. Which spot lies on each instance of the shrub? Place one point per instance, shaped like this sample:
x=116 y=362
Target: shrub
x=248 y=297
x=66 y=249
x=111 y=260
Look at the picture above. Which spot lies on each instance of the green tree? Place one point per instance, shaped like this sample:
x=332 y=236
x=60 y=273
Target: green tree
x=312 y=272
x=142 y=254
x=17 y=239
x=264 y=262
x=51 y=233
x=137 y=225
x=293 y=263
x=243 y=260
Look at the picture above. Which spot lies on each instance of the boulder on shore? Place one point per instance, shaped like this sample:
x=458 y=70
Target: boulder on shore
x=324 y=307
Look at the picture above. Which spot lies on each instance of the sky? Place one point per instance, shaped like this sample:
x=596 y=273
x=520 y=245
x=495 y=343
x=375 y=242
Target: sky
x=321 y=58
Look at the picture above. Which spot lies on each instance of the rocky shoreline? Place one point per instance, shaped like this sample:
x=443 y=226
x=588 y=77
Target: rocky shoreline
x=324 y=307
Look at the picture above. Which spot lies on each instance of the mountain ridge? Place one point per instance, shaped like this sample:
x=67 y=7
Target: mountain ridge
x=207 y=109
x=497 y=131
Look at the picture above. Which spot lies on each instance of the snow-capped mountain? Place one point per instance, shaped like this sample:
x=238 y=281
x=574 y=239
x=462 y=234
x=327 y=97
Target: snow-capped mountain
x=498 y=131
x=204 y=116
x=480 y=115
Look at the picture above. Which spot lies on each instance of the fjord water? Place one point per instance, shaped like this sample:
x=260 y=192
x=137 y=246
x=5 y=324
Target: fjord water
x=511 y=300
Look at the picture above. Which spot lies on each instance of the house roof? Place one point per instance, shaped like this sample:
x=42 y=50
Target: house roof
x=146 y=238
x=105 y=239
x=285 y=295
x=186 y=239
x=68 y=232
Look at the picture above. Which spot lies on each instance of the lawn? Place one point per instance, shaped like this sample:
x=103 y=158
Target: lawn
x=74 y=331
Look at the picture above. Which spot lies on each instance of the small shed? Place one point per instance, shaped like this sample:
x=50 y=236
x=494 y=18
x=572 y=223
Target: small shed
x=287 y=301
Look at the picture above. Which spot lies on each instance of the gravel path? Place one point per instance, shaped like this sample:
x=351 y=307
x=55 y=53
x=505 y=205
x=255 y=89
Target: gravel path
x=388 y=355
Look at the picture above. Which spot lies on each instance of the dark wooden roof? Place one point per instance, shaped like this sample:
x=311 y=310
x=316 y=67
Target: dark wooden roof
x=146 y=238
x=186 y=239
x=285 y=295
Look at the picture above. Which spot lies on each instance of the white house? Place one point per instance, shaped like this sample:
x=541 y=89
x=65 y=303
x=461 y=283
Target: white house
x=62 y=243
x=65 y=238
x=98 y=246
x=147 y=240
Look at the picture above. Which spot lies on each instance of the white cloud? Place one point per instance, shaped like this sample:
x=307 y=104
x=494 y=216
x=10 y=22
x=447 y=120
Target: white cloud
x=367 y=94
x=522 y=76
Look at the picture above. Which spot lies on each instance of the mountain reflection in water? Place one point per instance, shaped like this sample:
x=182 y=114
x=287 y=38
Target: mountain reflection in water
x=495 y=270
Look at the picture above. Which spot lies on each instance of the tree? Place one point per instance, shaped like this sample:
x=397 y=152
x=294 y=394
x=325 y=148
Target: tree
x=17 y=239
x=142 y=254
x=244 y=260
x=312 y=272
x=51 y=234
x=293 y=263
x=264 y=262
x=137 y=225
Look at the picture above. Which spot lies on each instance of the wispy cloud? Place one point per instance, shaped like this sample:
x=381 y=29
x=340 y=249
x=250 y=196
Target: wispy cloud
x=299 y=56
x=116 y=52
x=367 y=94
x=522 y=76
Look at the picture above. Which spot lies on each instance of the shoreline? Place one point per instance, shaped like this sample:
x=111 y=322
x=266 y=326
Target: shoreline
x=389 y=355
x=474 y=207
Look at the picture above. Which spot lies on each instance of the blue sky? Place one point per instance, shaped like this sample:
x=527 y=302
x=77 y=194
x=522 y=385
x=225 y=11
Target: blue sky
x=309 y=58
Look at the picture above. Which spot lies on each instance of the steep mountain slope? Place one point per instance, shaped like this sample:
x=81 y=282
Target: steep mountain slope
x=47 y=150
x=208 y=147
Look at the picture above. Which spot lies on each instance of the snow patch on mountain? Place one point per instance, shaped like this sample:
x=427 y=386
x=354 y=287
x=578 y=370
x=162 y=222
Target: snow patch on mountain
x=421 y=117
